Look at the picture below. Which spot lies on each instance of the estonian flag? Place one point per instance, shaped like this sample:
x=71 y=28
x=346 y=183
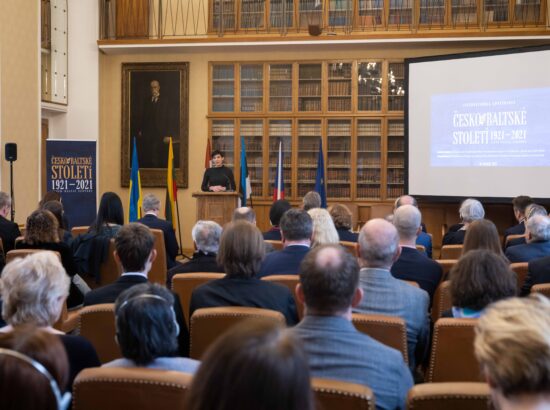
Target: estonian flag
x=135 y=188
x=246 y=188
x=279 y=184
x=320 y=184
x=171 y=189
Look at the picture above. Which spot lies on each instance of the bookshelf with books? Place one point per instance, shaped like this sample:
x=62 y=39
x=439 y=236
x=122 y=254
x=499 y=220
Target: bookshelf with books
x=432 y=13
x=309 y=137
x=223 y=87
x=396 y=86
x=223 y=15
x=496 y=12
x=252 y=90
x=338 y=164
x=369 y=86
x=280 y=87
x=223 y=139
x=309 y=87
x=369 y=158
x=252 y=14
x=395 y=163
x=280 y=131
x=370 y=14
x=281 y=13
x=527 y=11
x=253 y=131
x=464 y=13
x=339 y=86
x=400 y=12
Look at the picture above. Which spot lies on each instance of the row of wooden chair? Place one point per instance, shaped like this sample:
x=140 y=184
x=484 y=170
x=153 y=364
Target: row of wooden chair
x=118 y=388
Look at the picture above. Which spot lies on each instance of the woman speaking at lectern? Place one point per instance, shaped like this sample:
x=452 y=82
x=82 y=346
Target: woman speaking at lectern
x=219 y=178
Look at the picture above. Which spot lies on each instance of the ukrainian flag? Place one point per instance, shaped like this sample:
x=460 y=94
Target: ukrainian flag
x=135 y=188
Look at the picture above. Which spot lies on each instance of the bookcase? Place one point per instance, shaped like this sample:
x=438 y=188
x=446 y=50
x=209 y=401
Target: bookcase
x=353 y=107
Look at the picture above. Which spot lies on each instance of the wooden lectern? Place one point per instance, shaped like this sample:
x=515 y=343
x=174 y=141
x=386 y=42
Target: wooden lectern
x=216 y=206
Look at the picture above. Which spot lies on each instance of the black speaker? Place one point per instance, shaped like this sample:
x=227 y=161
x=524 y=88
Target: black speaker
x=11 y=151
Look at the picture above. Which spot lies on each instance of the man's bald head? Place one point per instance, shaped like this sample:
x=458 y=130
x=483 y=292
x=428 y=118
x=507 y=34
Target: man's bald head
x=378 y=244
x=407 y=220
x=329 y=276
x=244 y=213
x=405 y=200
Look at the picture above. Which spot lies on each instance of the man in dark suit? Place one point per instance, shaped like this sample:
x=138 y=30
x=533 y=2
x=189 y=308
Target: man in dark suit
x=151 y=208
x=538 y=272
x=296 y=233
x=412 y=264
x=276 y=212
x=135 y=252
x=9 y=230
x=537 y=229
x=206 y=238
x=530 y=211
x=519 y=204
x=422 y=238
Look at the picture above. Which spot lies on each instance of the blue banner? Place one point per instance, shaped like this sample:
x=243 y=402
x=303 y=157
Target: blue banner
x=71 y=171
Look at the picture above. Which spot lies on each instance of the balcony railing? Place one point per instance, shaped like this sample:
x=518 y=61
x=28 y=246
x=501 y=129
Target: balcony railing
x=168 y=19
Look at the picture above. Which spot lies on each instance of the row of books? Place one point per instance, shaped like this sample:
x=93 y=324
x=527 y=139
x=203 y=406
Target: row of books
x=310 y=89
x=252 y=90
x=339 y=104
x=339 y=144
x=369 y=128
x=395 y=191
x=223 y=72
x=339 y=88
x=369 y=144
x=280 y=104
x=370 y=162
x=396 y=145
x=309 y=105
x=338 y=174
x=338 y=192
x=369 y=103
x=396 y=128
x=369 y=175
x=223 y=129
x=252 y=72
x=280 y=129
x=396 y=161
x=278 y=72
x=310 y=71
x=396 y=176
x=225 y=105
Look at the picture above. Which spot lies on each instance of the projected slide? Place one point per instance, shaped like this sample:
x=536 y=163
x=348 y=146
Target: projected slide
x=506 y=128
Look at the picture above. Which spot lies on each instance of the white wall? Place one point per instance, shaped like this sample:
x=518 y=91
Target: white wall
x=81 y=121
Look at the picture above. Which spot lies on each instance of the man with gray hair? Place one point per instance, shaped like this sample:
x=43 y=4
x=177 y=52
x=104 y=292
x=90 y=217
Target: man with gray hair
x=378 y=247
x=422 y=238
x=470 y=210
x=9 y=230
x=412 y=264
x=151 y=208
x=206 y=239
x=537 y=229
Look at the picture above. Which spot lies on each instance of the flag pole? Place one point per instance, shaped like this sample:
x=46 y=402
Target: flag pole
x=179 y=232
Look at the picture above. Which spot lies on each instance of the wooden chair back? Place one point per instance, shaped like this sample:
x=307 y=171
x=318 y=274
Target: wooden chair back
x=452 y=357
x=338 y=395
x=22 y=253
x=277 y=245
x=183 y=285
x=97 y=324
x=389 y=330
x=542 y=288
x=512 y=237
x=79 y=230
x=112 y=388
x=290 y=281
x=449 y=396
x=442 y=300
x=350 y=246
x=109 y=270
x=210 y=323
x=521 y=269
x=157 y=274
x=451 y=252
x=446 y=266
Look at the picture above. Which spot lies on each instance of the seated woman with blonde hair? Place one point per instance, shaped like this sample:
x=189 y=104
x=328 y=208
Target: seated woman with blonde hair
x=324 y=231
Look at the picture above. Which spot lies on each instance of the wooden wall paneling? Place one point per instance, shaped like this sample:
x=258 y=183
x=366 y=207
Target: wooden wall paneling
x=132 y=18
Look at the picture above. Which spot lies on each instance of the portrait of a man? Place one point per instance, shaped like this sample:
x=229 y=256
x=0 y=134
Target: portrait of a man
x=156 y=109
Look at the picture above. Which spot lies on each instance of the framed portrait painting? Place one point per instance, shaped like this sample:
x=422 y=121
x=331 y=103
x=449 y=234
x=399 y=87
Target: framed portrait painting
x=155 y=107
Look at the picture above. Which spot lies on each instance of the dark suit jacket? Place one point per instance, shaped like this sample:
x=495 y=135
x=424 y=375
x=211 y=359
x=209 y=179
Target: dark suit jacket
x=516 y=241
x=347 y=235
x=454 y=237
x=109 y=294
x=170 y=242
x=528 y=252
x=416 y=266
x=425 y=240
x=9 y=231
x=539 y=272
x=518 y=229
x=274 y=234
x=201 y=262
x=249 y=292
x=284 y=262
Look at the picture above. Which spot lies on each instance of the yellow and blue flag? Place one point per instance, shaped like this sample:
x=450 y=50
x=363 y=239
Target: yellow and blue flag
x=135 y=188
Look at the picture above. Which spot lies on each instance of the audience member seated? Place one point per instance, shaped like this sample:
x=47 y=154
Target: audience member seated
x=56 y=208
x=92 y=248
x=34 y=290
x=470 y=210
x=537 y=229
x=276 y=212
x=386 y=295
x=206 y=239
x=519 y=204
x=479 y=278
x=324 y=231
x=513 y=349
x=296 y=231
x=538 y=272
x=482 y=234
x=423 y=238
x=311 y=200
x=241 y=254
x=9 y=231
x=34 y=371
x=147 y=330
x=42 y=232
x=329 y=288
x=151 y=208
x=135 y=252
x=531 y=210
x=341 y=216
x=255 y=365
x=244 y=213
x=412 y=264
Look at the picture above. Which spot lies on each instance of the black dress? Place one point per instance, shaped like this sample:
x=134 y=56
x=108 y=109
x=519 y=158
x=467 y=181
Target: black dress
x=218 y=176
